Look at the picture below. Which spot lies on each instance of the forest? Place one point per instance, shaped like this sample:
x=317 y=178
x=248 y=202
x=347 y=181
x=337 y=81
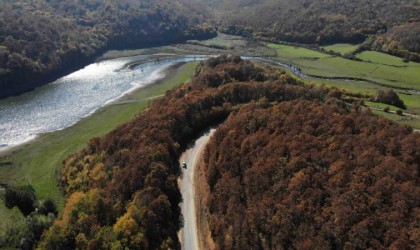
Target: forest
x=43 y=40
x=312 y=175
x=391 y=26
x=121 y=190
x=292 y=166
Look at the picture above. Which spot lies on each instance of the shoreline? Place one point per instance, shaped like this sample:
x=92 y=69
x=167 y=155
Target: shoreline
x=125 y=96
x=38 y=161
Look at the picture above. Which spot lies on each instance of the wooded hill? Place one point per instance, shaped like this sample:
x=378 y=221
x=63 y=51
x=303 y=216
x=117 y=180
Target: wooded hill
x=394 y=24
x=122 y=188
x=42 y=40
x=312 y=175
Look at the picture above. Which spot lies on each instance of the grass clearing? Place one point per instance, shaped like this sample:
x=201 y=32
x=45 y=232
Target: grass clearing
x=405 y=120
x=349 y=86
x=382 y=58
x=381 y=106
x=37 y=162
x=340 y=67
x=412 y=101
x=342 y=48
x=290 y=53
x=222 y=41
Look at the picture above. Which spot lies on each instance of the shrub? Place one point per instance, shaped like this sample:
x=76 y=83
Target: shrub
x=23 y=197
x=391 y=98
x=48 y=206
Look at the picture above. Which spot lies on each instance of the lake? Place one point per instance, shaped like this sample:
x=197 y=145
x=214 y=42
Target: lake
x=64 y=102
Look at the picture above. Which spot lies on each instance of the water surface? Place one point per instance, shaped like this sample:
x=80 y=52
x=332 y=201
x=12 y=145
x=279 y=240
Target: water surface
x=62 y=103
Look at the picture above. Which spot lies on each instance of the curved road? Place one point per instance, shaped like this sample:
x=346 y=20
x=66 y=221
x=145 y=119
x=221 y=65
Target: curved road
x=188 y=234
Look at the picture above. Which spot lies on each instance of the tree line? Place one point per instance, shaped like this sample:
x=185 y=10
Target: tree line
x=391 y=26
x=42 y=40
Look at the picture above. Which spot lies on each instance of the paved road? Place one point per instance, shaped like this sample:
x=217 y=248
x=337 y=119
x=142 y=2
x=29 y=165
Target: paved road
x=188 y=234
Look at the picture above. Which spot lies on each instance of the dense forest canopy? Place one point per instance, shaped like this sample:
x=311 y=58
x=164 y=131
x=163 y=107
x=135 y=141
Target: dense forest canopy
x=393 y=23
x=40 y=40
x=312 y=175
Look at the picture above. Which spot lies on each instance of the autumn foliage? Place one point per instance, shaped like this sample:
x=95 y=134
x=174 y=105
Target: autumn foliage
x=391 y=26
x=122 y=188
x=312 y=175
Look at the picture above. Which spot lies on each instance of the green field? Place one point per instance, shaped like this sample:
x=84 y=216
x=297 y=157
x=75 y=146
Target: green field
x=290 y=53
x=412 y=101
x=223 y=41
x=37 y=162
x=342 y=48
x=315 y=63
x=381 y=106
x=382 y=58
x=406 y=120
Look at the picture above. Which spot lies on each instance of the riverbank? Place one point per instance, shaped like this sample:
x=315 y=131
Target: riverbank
x=37 y=162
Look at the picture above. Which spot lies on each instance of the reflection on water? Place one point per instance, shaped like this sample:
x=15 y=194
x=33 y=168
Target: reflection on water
x=62 y=103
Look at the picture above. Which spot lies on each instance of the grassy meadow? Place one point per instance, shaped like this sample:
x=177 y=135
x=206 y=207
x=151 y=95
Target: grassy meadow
x=382 y=58
x=316 y=63
x=342 y=48
x=405 y=119
x=385 y=70
x=222 y=41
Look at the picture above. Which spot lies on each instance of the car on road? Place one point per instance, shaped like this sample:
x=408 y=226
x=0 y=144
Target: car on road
x=184 y=164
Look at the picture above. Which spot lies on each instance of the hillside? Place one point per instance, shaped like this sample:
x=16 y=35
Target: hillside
x=312 y=175
x=121 y=190
x=394 y=24
x=43 y=40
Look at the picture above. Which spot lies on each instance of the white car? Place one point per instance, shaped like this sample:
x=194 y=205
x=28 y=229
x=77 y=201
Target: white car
x=184 y=164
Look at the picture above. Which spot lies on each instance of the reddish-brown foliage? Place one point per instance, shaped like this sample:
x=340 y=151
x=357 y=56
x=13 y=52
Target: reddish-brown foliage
x=308 y=175
x=122 y=188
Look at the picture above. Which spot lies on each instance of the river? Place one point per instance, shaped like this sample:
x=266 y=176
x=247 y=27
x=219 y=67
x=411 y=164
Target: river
x=62 y=103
